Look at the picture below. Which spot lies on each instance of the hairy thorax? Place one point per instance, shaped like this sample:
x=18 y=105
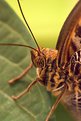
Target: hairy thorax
x=55 y=77
x=51 y=76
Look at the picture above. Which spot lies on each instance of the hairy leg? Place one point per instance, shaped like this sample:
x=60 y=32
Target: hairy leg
x=21 y=75
x=56 y=104
x=26 y=90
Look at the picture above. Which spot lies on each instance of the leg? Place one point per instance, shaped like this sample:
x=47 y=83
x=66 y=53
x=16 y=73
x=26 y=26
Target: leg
x=26 y=90
x=77 y=97
x=56 y=104
x=21 y=75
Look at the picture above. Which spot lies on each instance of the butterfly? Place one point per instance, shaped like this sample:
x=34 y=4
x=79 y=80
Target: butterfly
x=59 y=70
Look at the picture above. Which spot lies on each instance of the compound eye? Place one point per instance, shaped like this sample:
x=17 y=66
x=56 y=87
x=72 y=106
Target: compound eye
x=40 y=62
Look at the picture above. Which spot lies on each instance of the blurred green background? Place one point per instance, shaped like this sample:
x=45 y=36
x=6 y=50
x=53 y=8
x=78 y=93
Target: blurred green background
x=46 y=18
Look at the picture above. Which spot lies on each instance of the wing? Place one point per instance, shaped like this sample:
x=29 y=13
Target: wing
x=73 y=105
x=69 y=39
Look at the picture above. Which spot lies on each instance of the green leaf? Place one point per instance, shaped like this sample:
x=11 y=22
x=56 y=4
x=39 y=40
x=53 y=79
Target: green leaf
x=35 y=105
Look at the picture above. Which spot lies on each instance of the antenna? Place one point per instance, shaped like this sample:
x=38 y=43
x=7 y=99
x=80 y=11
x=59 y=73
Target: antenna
x=28 y=25
x=14 y=44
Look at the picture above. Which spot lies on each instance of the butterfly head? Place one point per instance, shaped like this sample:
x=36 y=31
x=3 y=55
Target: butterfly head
x=40 y=59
